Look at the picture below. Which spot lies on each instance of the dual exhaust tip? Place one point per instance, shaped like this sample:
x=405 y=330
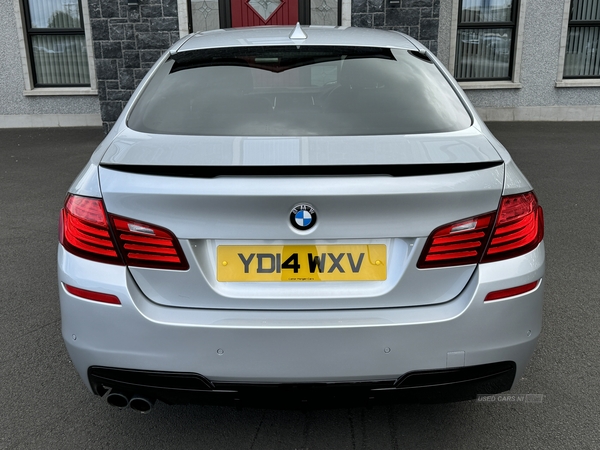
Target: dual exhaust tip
x=138 y=403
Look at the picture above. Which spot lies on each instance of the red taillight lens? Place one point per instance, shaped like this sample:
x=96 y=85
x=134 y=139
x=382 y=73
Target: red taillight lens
x=518 y=229
x=146 y=245
x=511 y=292
x=457 y=243
x=84 y=231
x=92 y=295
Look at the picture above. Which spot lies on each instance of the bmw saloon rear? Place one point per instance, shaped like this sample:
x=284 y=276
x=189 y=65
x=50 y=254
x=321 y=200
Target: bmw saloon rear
x=299 y=215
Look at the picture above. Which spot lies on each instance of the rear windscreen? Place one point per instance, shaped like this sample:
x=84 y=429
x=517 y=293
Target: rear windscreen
x=298 y=91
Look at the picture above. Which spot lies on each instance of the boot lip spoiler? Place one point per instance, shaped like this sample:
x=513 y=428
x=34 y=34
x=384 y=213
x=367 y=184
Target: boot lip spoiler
x=214 y=171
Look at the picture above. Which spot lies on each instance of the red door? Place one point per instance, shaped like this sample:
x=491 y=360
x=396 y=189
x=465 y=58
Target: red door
x=250 y=13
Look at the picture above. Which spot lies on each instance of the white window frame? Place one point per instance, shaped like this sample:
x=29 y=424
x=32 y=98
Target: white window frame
x=514 y=83
x=346 y=13
x=571 y=82
x=183 y=16
x=26 y=60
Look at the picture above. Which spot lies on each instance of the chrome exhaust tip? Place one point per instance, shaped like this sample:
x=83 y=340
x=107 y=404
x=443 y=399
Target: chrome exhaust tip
x=140 y=404
x=117 y=399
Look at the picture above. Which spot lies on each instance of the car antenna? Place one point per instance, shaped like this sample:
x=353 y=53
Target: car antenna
x=298 y=34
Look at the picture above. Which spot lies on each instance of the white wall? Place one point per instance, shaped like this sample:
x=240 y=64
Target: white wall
x=539 y=98
x=18 y=110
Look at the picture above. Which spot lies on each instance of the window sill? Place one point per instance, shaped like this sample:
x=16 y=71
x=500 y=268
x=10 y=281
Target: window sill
x=578 y=83
x=59 y=91
x=466 y=85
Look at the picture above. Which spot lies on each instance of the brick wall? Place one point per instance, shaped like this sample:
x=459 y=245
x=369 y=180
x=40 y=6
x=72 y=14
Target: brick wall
x=127 y=42
x=417 y=18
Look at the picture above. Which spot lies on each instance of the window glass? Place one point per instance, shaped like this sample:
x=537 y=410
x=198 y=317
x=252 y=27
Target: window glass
x=60 y=60
x=306 y=91
x=585 y=10
x=485 y=40
x=57 y=43
x=205 y=14
x=54 y=14
x=473 y=11
x=483 y=53
x=324 y=12
x=583 y=40
x=323 y=74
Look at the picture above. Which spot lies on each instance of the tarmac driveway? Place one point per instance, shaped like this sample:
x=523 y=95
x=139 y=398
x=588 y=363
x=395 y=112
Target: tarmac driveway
x=44 y=404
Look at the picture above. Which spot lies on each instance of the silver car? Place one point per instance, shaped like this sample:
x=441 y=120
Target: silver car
x=299 y=214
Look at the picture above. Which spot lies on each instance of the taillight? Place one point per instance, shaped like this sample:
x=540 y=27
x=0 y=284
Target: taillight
x=517 y=229
x=85 y=231
x=146 y=245
x=457 y=243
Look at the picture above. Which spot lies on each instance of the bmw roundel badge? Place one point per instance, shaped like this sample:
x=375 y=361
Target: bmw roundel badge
x=303 y=216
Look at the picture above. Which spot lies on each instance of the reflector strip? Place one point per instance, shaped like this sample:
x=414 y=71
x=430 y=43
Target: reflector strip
x=92 y=295
x=511 y=292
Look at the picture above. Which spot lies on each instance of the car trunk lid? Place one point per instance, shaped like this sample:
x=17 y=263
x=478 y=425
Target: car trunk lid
x=220 y=208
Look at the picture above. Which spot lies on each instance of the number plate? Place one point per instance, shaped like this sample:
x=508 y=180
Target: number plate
x=301 y=263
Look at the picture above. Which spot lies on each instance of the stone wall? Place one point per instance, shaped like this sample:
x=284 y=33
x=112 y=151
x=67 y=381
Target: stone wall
x=128 y=39
x=417 y=18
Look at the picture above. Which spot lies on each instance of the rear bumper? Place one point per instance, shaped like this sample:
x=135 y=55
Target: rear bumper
x=434 y=386
x=262 y=349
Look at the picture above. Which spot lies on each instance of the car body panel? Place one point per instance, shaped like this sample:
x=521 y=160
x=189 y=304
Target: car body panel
x=206 y=212
x=466 y=146
x=197 y=208
x=276 y=35
x=300 y=346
